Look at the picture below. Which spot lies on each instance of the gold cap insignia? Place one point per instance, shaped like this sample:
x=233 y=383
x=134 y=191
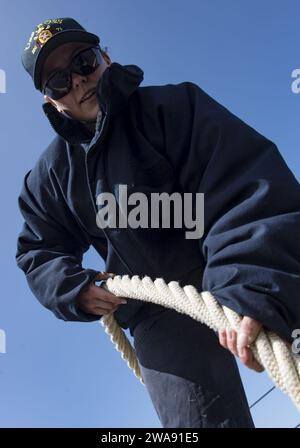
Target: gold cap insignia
x=44 y=35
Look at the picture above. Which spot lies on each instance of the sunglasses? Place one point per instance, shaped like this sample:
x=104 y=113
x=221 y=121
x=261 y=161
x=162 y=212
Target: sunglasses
x=83 y=63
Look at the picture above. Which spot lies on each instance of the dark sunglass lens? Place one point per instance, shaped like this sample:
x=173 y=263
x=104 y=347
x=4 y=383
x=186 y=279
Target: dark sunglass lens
x=59 y=80
x=58 y=85
x=86 y=62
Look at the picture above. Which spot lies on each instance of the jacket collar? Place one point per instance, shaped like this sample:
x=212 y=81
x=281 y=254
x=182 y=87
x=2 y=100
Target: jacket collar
x=114 y=88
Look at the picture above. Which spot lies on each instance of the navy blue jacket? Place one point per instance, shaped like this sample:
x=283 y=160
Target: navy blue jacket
x=164 y=139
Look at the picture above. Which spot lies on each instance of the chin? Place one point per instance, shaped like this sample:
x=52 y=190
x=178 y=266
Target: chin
x=91 y=115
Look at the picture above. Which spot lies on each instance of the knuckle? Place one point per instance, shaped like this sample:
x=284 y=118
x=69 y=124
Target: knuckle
x=222 y=341
x=230 y=346
x=221 y=337
x=250 y=325
x=247 y=327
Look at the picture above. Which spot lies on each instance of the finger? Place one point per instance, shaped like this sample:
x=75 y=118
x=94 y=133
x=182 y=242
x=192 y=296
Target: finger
x=248 y=332
x=97 y=303
x=102 y=294
x=232 y=341
x=100 y=310
x=257 y=367
x=106 y=305
x=249 y=361
x=252 y=363
x=91 y=308
x=251 y=328
x=242 y=342
x=245 y=355
x=111 y=299
x=104 y=276
x=223 y=338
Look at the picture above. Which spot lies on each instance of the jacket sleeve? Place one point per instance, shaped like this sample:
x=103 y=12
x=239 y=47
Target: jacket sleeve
x=51 y=245
x=251 y=243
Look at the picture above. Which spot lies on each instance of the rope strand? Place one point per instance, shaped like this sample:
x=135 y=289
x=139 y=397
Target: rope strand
x=271 y=352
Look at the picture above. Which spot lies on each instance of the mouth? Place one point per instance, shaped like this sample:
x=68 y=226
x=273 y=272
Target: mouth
x=88 y=95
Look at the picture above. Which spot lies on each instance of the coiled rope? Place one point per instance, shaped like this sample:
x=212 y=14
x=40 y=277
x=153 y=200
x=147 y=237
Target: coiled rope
x=269 y=350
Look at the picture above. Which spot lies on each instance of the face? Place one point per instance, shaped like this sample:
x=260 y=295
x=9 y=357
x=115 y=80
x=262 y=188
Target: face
x=71 y=103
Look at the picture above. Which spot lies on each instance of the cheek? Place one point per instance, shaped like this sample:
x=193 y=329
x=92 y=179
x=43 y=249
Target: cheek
x=97 y=73
x=68 y=102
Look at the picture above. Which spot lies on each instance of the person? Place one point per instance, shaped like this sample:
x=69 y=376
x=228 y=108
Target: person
x=111 y=132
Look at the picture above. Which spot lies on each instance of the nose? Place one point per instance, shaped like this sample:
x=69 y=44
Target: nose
x=77 y=79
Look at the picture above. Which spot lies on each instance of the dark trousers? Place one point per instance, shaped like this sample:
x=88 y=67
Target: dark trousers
x=193 y=382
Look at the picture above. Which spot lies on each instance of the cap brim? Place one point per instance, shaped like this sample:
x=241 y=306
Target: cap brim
x=57 y=40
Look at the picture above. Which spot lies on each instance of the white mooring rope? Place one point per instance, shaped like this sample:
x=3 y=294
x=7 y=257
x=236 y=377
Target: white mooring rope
x=272 y=353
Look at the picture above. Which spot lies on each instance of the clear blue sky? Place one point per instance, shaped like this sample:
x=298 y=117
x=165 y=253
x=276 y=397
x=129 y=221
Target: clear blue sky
x=242 y=53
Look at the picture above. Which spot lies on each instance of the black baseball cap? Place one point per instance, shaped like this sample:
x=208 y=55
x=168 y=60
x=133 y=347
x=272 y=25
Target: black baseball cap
x=47 y=36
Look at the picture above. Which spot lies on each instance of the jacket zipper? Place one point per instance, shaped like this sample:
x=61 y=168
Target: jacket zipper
x=91 y=193
x=86 y=164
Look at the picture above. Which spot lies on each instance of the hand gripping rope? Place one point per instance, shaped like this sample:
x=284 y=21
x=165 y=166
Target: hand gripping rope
x=272 y=353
